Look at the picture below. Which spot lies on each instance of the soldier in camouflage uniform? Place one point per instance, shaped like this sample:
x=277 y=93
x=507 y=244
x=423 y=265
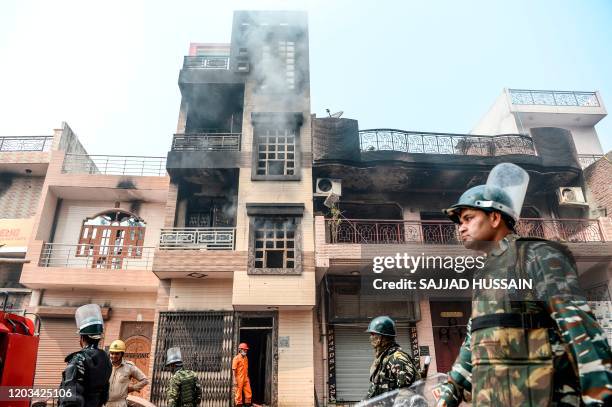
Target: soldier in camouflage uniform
x=393 y=368
x=538 y=347
x=183 y=389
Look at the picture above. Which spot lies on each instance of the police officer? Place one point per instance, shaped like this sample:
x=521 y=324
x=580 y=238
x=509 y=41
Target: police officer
x=183 y=389
x=392 y=367
x=538 y=347
x=85 y=379
x=125 y=378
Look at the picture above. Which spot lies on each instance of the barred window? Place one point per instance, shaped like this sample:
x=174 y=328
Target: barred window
x=275 y=151
x=275 y=242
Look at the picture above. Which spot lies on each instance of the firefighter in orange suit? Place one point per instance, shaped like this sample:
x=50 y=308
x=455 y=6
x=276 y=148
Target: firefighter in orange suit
x=240 y=370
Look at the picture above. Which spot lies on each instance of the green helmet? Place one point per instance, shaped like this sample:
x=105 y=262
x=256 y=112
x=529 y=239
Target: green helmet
x=475 y=198
x=382 y=325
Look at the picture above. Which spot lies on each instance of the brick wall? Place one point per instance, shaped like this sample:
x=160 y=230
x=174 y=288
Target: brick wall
x=19 y=196
x=598 y=180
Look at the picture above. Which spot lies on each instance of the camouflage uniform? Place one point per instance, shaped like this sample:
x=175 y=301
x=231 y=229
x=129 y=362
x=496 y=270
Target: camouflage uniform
x=392 y=369
x=184 y=389
x=562 y=359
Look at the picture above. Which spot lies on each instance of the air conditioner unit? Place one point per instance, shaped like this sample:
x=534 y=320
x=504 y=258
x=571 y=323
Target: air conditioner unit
x=325 y=186
x=571 y=196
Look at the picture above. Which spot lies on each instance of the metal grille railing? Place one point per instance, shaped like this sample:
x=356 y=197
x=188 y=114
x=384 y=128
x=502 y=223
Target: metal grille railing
x=197 y=238
x=370 y=231
x=35 y=143
x=206 y=142
x=114 y=165
x=445 y=143
x=553 y=98
x=206 y=340
x=205 y=62
x=96 y=257
x=587 y=159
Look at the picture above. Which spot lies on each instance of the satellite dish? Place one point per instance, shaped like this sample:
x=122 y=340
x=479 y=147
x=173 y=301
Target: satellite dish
x=335 y=115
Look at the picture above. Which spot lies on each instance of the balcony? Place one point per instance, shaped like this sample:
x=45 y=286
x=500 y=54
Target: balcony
x=96 y=257
x=445 y=143
x=105 y=268
x=553 y=98
x=36 y=143
x=205 y=62
x=587 y=159
x=114 y=165
x=368 y=231
x=197 y=238
x=206 y=142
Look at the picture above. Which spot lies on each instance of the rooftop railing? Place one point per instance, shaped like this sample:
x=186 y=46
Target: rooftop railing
x=114 y=165
x=34 y=143
x=206 y=142
x=213 y=238
x=445 y=143
x=374 y=231
x=96 y=257
x=553 y=98
x=587 y=159
x=205 y=62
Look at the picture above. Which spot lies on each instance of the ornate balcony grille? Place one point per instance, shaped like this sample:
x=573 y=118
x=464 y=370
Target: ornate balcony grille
x=114 y=165
x=369 y=231
x=445 y=143
x=553 y=98
x=96 y=257
x=206 y=142
x=37 y=143
x=587 y=159
x=205 y=62
x=197 y=238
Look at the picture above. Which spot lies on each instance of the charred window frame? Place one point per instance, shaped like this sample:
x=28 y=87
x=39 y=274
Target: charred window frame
x=276 y=146
x=275 y=238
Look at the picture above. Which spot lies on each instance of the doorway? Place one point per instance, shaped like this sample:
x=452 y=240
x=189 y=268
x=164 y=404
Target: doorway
x=258 y=332
x=449 y=322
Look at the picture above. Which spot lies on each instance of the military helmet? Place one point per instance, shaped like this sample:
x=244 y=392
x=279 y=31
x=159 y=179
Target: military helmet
x=117 y=346
x=382 y=325
x=504 y=192
x=173 y=355
x=89 y=321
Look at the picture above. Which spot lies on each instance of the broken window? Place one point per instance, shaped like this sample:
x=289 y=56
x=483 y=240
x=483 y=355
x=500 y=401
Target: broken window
x=275 y=151
x=275 y=242
x=110 y=237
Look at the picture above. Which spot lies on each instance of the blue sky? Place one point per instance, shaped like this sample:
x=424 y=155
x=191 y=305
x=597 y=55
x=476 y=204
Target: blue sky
x=111 y=70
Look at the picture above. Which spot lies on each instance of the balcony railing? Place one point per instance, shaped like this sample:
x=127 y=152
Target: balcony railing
x=96 y=257
x=445 y=143
x=114 y=165
x=36 y=143
x=197 y=238
x=587 y=159
x=205 y=62
x=553 y=98
x=206 y=142
x=369 y=231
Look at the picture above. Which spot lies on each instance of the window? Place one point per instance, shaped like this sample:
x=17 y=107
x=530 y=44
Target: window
x=275 y=151
x=110 y=237
x=275 y=243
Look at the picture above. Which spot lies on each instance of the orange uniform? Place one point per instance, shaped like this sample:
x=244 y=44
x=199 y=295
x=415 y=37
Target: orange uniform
x=240 y=366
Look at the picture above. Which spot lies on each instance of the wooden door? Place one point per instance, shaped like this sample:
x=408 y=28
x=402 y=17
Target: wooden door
x=138 y=351
x=449 y=320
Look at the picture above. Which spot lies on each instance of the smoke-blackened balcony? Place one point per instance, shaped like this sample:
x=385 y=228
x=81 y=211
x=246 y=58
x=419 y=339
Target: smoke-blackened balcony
x=370 y=231
x=206 y=142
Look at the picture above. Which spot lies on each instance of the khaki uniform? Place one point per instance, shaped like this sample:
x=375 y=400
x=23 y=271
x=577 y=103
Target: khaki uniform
x=120 y=380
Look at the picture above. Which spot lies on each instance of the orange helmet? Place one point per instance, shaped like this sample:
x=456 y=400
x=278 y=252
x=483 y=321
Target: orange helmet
x=243 y=346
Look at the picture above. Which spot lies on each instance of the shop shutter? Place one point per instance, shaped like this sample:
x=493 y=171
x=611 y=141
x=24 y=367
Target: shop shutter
x=58 y=339
x=354 y=356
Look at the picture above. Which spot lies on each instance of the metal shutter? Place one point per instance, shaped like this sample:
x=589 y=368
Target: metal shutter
x=58 y=339
x=354 y=355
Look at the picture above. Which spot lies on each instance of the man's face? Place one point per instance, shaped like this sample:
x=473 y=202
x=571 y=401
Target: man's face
x=476 y=227
x=116 y=357
x=375 y=339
